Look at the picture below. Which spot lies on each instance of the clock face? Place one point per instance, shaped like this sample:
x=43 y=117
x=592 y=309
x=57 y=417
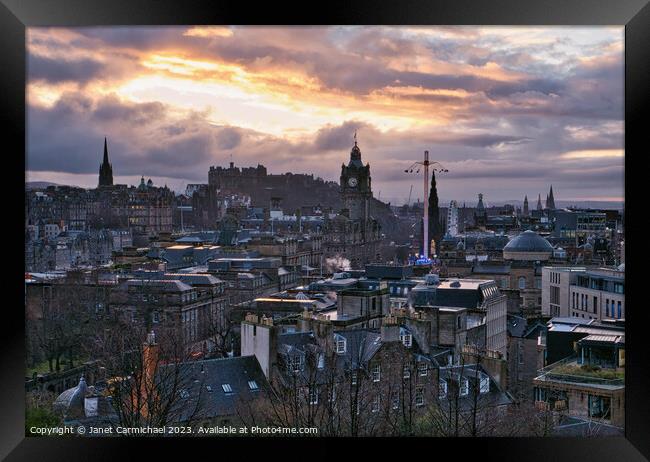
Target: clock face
x=352 y=182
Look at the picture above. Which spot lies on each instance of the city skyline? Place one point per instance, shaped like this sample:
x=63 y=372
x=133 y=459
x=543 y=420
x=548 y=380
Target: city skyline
x=509 y=110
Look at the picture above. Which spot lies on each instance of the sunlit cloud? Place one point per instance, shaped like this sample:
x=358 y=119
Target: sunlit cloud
x=493 y=102
x=594 y=154
x=208 y=32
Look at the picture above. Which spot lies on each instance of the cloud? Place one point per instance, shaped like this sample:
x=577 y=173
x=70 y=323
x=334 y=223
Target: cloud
x=502 y=108
x=56 y=70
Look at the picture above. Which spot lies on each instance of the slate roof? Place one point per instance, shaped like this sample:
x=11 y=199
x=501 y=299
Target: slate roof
x=168 y=285
x=194 y=279
x=201 y=391
x=516 y=326
x=495 y=397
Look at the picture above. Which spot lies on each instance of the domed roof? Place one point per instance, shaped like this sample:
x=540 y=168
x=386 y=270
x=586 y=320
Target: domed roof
x=71 y=401
x=528 y=241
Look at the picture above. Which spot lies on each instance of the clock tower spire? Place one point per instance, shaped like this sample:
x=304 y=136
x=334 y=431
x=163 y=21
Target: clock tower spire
x=356 y=190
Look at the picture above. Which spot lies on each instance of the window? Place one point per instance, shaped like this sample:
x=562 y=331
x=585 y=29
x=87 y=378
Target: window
x=209 y=388
x=464 y=387
x=407 y=340
x=375 y=404
x=252 y=384
x=155 y=317
x=522 y=282
x=376 y=373
x=353 y=377
x=607 y=307
x=423 y=370
x=595 y=304
x=340 y=346
x=313 y=396
x=442 y=389
x=295 y=363
x=618 y=308
x=395 y=401
x=419 y=396
x=555 y=295
x=485 y=384
x=226 y=388
x=321 y=360
x=407 y=372
x=599 y=406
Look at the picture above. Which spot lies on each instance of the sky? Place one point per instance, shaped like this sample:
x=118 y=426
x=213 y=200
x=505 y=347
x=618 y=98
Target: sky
x=508 y=111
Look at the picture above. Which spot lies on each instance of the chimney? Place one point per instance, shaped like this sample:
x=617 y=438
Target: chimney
x=259 y=338
x=150 y=357
x=389 y=329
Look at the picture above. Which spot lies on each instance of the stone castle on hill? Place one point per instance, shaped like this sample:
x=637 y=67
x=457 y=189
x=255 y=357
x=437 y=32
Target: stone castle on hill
x=295 y=189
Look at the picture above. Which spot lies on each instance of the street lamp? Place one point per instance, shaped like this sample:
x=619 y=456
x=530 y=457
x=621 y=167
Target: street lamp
x=439 y=168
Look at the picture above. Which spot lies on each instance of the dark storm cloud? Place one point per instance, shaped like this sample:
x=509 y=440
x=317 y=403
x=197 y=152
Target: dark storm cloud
x=128 y=37
x=112 y=109
x=68 y=136
x=338 y=137
x=59 y=70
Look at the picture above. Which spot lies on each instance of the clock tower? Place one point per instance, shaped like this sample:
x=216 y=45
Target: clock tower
x=355 y=185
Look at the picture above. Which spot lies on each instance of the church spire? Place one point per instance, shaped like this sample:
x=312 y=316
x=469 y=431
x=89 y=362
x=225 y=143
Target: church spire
x=105 y=169
x=539 y=202
x=550 y=201
x=105 y=151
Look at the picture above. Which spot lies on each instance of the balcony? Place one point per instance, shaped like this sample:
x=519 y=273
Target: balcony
x=570 y=371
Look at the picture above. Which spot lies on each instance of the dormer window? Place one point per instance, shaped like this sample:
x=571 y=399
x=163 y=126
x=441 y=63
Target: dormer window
x=226 y=388
x=252 y=384
x=485 y=384
x=321 y=361
x=423 y=370
x=407 y=372
x=353 y=377
x=407 y=339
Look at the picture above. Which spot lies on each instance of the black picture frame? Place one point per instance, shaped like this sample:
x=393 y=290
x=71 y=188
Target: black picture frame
x=16 y=15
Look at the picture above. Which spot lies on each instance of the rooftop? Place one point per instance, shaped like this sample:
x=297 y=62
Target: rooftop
x=569 y=371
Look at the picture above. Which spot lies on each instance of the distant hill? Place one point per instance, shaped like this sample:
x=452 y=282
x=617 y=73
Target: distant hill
x=39 y=184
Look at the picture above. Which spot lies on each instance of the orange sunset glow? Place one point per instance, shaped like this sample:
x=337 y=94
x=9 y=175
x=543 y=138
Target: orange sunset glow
x=508 y=110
